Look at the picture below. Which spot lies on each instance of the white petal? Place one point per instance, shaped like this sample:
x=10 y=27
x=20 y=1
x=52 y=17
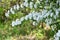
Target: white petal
x=14 y=7
x=6 y=14
x=18 y=7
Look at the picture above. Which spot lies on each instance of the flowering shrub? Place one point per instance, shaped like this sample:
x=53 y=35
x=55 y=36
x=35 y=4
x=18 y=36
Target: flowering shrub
x=37 y=11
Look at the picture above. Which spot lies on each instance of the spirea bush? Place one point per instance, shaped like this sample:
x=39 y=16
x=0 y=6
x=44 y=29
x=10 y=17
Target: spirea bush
x=39 y=11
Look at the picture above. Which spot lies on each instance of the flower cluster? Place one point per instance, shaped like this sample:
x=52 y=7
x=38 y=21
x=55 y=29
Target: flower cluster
x=57 y=35
x=45 y=15
x=39 y=16
x=12 y=10
x=31 y=5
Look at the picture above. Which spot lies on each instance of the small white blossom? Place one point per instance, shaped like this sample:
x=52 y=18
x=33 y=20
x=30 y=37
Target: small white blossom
x=26 y=17
x=6 y=14
x=22 y=19
x=57 y=12
x=17 y=6
x=54 y=16
x=38 y=19
x=13 y=23
x=11 y=10
x=57 y=35
x=25 y=4
x=34 y=23
x=31 y=5
x=14 y=7
x=21 y=6
x=51 y=14
x=35 y=5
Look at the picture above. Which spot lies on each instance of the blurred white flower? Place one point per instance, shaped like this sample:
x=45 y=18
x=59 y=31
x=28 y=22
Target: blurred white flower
x=54 y=16
x=30 y=16
x=34 y=23
x=11 y=10
x=13 y=23
x=35 y=5
x=57 y=35
x=34 y=17
x=17 y=19
x=26 y=17
x=14 y=7
x=6 y=14
x=52 y=28
x=21 y=6
x=56 y=38
x=22 y=19
x=25 y=4
x=57 y=12
x=31 y=5
x=17 y=22
x=38 y=19
x=17 y=6
x=51 y=15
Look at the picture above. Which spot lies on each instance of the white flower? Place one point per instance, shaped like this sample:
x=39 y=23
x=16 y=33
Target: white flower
x=52 y=28
x=26 y=17
x=31 y=5
x=54 y=16
x=56 y=38
x=38 y=19
x=14 y=7
x=17 y=6
x=17 y=19
x=44 y=12
x=58 y=31
x=26 y=4
x=34 y=18
x=30 y=16
x=6 y=14
x=22 y=19
x=17 y=22
x=58 y=34
x=51 y=14
x=13 y=23
x=21 y=6
x=11 y=10
x=35 y=6
x=57 y=12
x=34 y=23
